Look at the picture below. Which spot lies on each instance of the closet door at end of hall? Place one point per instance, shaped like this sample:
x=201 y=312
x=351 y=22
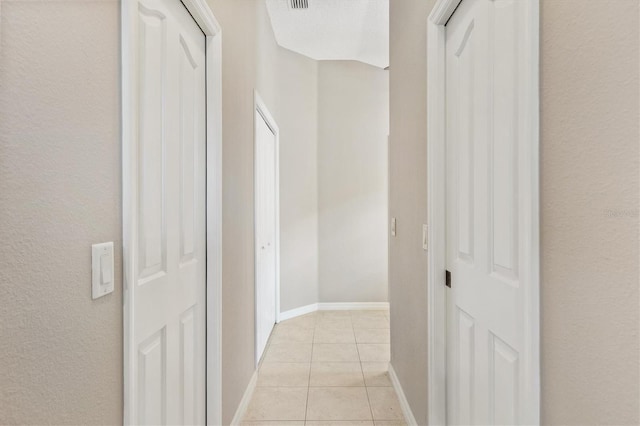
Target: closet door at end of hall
x=265 y=232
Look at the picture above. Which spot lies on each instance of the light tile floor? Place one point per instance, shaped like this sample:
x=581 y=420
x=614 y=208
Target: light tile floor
x=328 y=368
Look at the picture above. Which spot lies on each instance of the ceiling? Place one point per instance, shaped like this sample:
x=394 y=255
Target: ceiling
x=334 y=29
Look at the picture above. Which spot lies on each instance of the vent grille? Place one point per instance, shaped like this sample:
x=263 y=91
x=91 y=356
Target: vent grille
x=299 y=4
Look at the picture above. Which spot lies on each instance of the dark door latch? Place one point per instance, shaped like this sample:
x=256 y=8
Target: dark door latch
x=447 y=281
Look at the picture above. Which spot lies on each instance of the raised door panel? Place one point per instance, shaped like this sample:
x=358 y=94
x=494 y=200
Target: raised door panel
x=188 y=366
x=465 y=136
x=503 y=187
x=152 y=379
x=152 y=256
x=503 y=382
x=465 y=387
x=189 y=136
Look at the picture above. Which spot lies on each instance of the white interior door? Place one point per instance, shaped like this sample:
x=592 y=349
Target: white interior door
x=265 y=237
x=489 y=219
x=167 y=356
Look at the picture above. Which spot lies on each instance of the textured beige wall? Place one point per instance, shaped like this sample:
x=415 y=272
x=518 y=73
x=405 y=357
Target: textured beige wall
x=590 y=195
x=60 y=147
x=60 y=351
x=590 y=198
x=238 y=21
x=408 y=198
x=353 y=125
x=287 y=83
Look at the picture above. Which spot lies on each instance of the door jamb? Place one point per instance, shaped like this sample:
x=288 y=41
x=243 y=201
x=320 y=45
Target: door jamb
x=261 y=108
x=205 y=19
x=436 y=196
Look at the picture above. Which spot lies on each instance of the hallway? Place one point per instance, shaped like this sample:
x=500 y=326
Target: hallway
x=177 y=176
x=327 y=368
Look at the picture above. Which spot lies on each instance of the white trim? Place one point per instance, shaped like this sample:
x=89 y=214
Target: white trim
x=213 y=32
x=532 y=413
x=402 y=398
x=442 y=11
x=203 y=16
x=436 y=161
x=207 y=22
x=261 y=108
x=292 y=313
x=436 y=171
x=245 y=401
x=355 y=306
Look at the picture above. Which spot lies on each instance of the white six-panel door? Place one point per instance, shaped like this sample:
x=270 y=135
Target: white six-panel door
x=265 y=232
x=488 y=213
x=167 y=357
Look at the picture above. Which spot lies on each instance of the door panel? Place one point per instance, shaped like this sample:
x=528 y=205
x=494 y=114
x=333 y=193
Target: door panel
x=152 y=380
x=169 y=298
x=152 y=231
x=265 y=233
x=188 y=161
x=188 y=366
x=504 y=154
x=503 y=376
x=466 y=190
x=486 y=224
x=466 y=366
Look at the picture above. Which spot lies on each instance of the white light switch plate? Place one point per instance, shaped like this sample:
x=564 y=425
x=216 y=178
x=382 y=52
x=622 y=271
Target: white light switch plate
x=102 y=277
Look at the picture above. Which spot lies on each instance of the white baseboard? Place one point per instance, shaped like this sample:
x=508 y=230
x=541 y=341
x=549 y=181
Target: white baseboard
x=355 y=306
x=303 y=310
x=246 y=399
x=404 y=404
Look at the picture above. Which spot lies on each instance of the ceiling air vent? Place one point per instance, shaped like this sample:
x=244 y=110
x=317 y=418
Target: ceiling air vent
x=299 y=4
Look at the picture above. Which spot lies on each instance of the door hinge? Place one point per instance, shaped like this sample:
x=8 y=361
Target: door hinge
x=447 y=280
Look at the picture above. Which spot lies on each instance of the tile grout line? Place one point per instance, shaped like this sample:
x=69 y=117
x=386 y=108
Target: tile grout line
x=365 y=383
x=313 y=336
x=315 y=328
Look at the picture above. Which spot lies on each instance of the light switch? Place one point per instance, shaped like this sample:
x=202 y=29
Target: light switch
x=105 y=269
x=425 y=237
x=393 y=226
x=102 y=269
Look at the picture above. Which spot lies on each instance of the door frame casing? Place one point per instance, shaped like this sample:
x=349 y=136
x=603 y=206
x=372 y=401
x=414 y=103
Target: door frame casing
x=260 y=107
x=436 y=199
x=205 y=19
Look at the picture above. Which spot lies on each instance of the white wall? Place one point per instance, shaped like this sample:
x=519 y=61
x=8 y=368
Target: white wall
x=353 y=126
